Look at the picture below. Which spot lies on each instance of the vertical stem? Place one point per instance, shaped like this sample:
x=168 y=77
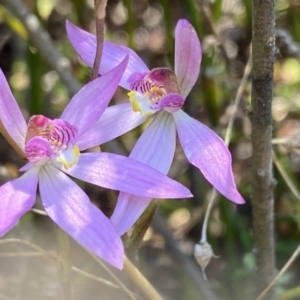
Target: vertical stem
x=263 y=52
x=64 y=263
x=100 y=6
x=130 y=23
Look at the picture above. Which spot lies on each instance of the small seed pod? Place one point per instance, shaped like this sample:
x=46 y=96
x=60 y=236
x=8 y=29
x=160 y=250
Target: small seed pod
x=203 y=253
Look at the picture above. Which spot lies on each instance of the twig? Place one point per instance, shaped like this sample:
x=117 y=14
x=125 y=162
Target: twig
x=43 y=43
x=286 y=177
x=263 y=56
x=282 y=271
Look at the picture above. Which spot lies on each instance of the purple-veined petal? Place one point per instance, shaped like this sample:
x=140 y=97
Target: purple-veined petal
x=38 y=150
x=70 y=208
x=17 y=197
x=208 y=152
x=115 y=121
x=85 y=45
x=121 y=173
x=156 y=148
x=188 y=56
x=11 y=115
x=87 y=106
x=171 y=102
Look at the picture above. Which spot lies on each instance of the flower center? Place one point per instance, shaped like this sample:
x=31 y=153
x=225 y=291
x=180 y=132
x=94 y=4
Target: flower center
x=51 y=141
x=154 y=91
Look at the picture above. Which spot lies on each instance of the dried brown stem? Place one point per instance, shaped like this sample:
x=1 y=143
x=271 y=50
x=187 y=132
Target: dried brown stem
x=100 y=6
x=263 y=50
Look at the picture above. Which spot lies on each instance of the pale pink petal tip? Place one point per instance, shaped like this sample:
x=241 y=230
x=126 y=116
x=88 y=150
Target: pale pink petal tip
x=185 y=23
x=208 y=152
x=77 y=216
x=188 y=55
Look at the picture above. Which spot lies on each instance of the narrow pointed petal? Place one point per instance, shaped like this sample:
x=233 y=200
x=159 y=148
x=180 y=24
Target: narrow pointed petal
x=188 y=55
x=10 y=115
x=156 y=148
x=87 y=106
x=208 y=152
x=85 y=45
x=120 y=173
x=17 y=197
x=70 y=208
x=115 y=121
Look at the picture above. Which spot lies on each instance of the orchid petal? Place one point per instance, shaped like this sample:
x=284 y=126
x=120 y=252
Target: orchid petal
x=70 y=208
x=10 y=115
x=17 y=197
x=125 y=174
x=208 y=152
x=115 y=121
x=26 y=167
x=85 y=45
x=188 y=56
x=156 y=148
x=87 y=106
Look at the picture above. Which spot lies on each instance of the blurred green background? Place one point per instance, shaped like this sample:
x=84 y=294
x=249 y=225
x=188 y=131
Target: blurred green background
x=224 y=28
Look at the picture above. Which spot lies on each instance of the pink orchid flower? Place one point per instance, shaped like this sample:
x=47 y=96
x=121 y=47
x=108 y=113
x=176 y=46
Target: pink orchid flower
x=159 y=93
x=53 y=150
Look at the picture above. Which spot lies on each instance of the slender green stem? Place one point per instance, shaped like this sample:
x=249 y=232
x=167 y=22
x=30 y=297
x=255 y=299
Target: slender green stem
x=137 y=277
x=207 y=214
x=64 y=263
x=131 y=23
